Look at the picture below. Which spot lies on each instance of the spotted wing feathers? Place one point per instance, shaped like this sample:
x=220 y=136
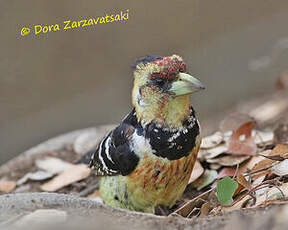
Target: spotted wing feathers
x=114 y=155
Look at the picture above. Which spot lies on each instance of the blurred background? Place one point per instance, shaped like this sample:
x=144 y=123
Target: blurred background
x=61 y=81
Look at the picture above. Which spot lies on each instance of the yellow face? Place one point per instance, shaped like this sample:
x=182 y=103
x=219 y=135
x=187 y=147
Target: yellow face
x=161 y=85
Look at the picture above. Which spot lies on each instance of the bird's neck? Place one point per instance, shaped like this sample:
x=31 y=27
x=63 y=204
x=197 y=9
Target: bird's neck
x=166 y=112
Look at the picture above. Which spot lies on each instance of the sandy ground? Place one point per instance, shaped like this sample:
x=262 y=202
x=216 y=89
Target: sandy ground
x=89 y=214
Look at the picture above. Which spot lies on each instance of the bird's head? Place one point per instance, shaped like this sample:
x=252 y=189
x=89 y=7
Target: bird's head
x=161 y=89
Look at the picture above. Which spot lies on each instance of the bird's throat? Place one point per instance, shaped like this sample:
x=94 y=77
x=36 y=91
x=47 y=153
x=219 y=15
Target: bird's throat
x=169 y=112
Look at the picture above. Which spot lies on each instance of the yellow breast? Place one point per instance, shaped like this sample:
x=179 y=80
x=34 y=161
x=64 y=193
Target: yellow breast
x=159 y=181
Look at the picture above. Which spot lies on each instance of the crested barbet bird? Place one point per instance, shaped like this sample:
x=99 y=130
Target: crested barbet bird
x=147 y=160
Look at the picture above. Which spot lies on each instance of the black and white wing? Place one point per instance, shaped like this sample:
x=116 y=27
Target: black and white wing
x=114 y=155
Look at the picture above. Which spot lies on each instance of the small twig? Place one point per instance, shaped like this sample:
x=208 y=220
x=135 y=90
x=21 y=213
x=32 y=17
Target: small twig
x=257 y=171
x=191 y=201
x=89 y=190
x=274 y=157
x=240 y=154
x=250 y=193
x=269 y=182
x=236 y=172
x=191 y=212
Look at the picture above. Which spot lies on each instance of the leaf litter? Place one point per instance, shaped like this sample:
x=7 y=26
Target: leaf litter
x=57 y=171
x=238 y=167
x=251 y=168
x=242 y=142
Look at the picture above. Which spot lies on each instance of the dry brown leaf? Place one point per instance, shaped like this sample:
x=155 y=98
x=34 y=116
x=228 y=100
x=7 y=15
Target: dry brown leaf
x=226 y=172
x=279 y=153
x=230 y=160
x=279 y=149
x=250 y=164
x=212 y=140
x=197 y=171
x=34 y=176
x=242 y=141
x=267 y=163
x=53 y=165
x=186 y=208
x=7 y=185
x=214 y=152
x=262 y=168
x=207 y=178
x=284 y=155
x=239 y=189
x=232 y=121
x=281 y=168
x=237 y=206
x=200 y=155
x=227 y=136
x=280 y=157
x=71 y=175
x=258 y=180
x=214 y=166
x=270 y=194
x=241 y=180
x=262 y=137
x=205 y=209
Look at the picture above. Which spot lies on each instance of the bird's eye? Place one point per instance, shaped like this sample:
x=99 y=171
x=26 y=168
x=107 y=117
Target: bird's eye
x=159 y=81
